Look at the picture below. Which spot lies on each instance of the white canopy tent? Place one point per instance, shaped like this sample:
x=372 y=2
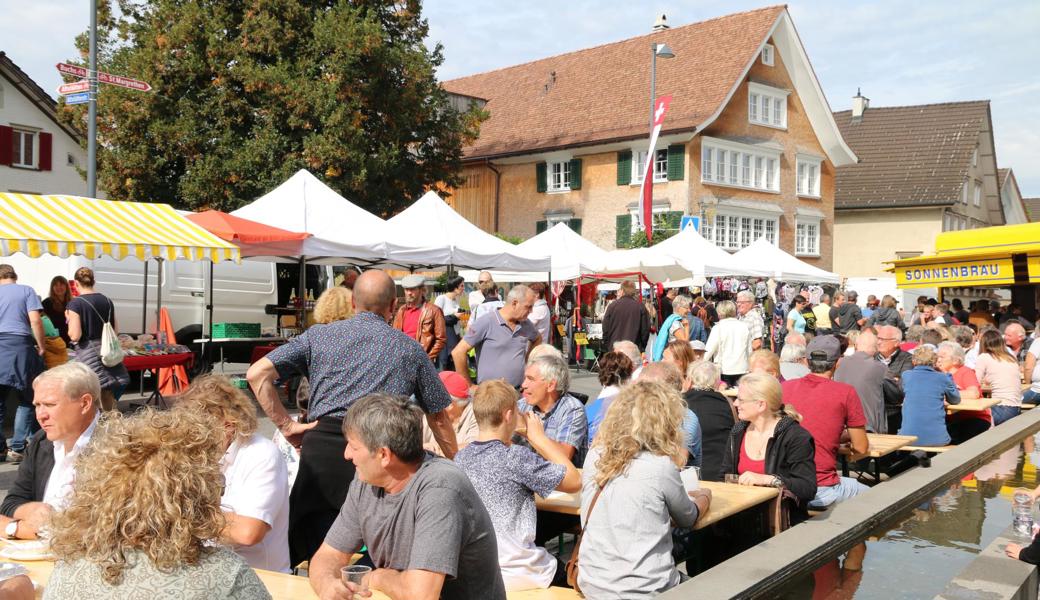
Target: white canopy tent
x=341 y=232
x=655 y=266
x=571 y=254
x=783 y=266
x=440 y=236
x=705 y=259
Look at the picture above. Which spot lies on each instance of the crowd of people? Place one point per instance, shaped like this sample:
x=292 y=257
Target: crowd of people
x=427 y=461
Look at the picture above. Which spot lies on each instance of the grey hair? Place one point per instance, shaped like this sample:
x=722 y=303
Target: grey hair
x=544 y=349
x=76 y=378
x=895 y=331
x=825 y=299
x=704 y=375
x=726 y=309
x=518 y=293
x=792 y=353
x=552 y=368
x=385 y=421
x=914 y=333
x=745 y=295
x=682 y=301
x=963 y=335
x=663 y=372
x=955 y=350
x=630 y=350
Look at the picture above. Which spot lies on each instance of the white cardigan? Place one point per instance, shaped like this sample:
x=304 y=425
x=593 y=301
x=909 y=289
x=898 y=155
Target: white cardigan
x=729 y=346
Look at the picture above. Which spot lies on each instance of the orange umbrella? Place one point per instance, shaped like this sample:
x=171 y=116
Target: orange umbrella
x=236 y=229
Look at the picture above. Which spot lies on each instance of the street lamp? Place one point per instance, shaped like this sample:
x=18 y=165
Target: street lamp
x=656 y=50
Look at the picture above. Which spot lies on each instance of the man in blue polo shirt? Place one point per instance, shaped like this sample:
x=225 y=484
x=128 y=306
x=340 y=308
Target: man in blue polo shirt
x=502 y=338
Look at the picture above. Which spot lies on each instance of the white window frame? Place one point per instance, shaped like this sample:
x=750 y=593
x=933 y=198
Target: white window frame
x=975 y=157
x=807 y=237
x=660 y=166
x=767 y=105
x=558 y=176
x=807 y=176
x=718 y=166
x=768 y=53
x=659 y=209
x=18 y=136
x=734 y=228
x=977 y=199
x=964 y=193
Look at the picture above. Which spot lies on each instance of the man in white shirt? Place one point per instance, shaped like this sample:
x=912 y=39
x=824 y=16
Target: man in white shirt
x=477 y=296
x=66 y=402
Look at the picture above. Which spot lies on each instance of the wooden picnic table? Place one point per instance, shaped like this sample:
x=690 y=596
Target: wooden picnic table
x=727 y=499
x=973 y=404
x=880 y=444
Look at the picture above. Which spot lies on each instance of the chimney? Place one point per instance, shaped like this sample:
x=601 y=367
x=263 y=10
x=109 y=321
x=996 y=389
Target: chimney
x=661 y=23
x=860 y=104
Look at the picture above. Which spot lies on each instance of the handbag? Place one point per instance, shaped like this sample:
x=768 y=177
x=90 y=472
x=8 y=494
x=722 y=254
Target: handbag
x=572 y=564
x=111 y=352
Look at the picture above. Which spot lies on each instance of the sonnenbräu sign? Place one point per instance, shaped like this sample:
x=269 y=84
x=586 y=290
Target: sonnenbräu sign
x=992 y=271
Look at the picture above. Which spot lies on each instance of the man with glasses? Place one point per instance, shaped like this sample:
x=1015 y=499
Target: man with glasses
x=751 y=315
x=896 y=363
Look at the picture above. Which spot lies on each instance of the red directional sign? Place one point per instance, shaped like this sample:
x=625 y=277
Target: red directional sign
x=74 y=87
x=108 y=78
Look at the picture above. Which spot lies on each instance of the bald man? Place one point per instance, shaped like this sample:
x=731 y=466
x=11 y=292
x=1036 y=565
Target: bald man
x=344 y=362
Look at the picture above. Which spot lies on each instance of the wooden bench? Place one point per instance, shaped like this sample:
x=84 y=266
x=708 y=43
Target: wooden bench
x=553 y=593
x=1027 y=406
x=928 y=449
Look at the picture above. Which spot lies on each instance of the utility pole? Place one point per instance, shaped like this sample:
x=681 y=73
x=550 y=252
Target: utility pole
x=92 y=77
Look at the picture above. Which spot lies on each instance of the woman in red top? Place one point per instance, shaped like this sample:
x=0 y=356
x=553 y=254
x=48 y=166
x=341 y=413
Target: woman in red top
x=962 y=424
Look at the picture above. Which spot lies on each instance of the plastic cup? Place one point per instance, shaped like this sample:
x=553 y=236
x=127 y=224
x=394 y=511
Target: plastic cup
x=355 y=574
x=732 y=478
x=691 y=477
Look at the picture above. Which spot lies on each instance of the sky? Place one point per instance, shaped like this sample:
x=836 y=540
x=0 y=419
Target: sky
x=898 y=52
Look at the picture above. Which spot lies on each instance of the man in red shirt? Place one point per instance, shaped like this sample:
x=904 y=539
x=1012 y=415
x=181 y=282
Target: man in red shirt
x=421 y=320
x=828 y=410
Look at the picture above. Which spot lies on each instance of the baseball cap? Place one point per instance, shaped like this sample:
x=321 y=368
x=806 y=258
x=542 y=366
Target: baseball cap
x=824 y=347
x=413 y=281
x=455 y=384
x=698 y=345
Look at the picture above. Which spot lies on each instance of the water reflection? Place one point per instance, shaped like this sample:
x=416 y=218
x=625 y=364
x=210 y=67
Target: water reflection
x=919 y=552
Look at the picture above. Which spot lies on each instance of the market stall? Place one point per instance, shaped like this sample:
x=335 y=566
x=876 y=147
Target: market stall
x=571 y=255
x=705 y=259
x=776 y=263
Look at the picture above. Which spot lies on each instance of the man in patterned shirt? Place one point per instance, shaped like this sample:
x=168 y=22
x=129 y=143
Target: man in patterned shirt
x=507 y=476
x=750 y=315
x=546 y=380
x=344 y=361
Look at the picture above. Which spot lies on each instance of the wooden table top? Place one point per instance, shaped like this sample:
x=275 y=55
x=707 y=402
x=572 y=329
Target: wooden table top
x=974 y=404
x=882 y=444
x=727 y=499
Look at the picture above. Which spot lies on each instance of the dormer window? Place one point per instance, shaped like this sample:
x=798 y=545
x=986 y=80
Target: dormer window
x=767 y=55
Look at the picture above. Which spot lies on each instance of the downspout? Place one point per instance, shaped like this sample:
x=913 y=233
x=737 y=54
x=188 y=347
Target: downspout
x=498 y=187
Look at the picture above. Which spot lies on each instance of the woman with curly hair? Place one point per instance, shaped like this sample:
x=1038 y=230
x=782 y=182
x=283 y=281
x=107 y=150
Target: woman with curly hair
x=631 y=494
x=144 y=510
x=256 y=479
x=334 y=304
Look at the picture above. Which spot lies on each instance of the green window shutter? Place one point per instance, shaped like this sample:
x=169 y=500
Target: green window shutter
x=540 y=226
x=575 y=174
x=624 y=230
x=673 y=218
x=676 y=160
x=624 y=167
x=575 y=225
x=541 y=173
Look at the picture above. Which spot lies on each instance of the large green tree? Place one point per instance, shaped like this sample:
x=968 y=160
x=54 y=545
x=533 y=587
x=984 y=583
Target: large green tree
x=246 y=92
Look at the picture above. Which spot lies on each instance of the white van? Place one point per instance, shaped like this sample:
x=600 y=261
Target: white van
x=241 y=291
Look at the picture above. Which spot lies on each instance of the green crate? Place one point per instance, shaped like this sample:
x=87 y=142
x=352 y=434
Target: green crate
x=236 y=330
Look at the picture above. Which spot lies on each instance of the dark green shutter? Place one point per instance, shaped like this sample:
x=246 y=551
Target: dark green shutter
x=541 y=171
x=540 y=226
x=624 y=230
x=676 y=160
x=575 y=225
x=672 y=219
x=575 y=174
x=624 y=167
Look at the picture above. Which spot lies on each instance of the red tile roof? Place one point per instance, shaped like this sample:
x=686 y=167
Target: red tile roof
x=601 y=94
x=909 y=155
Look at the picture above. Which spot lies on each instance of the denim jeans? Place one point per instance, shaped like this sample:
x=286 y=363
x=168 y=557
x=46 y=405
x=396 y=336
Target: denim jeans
x=25 y=425
x=1030 y=397
x=1003 y=413
x=846 y=488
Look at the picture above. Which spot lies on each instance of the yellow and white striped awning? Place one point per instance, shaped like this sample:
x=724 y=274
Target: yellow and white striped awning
x=72 y=225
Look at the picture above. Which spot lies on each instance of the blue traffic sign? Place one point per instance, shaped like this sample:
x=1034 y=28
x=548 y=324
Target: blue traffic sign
x=80 y=98
x=689 y=221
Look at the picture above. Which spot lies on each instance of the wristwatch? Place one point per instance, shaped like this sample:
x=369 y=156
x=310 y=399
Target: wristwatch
x=11 y=529
x=777 y=482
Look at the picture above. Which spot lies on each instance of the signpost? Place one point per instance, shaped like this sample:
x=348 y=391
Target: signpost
x=80 y=98
x=133 y=84
x=74 y=87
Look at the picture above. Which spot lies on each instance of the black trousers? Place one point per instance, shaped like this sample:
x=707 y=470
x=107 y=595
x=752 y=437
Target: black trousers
x=320 y=488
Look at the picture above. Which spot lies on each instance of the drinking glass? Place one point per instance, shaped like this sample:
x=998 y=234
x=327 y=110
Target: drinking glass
x=356 y=574
x=732 y=478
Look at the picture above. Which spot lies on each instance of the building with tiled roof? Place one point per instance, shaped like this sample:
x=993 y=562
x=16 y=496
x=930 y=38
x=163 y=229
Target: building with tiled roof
x=1032 y=208
x=1011 y=198
x=38 y=153
x=749 y=143
x=922 y=170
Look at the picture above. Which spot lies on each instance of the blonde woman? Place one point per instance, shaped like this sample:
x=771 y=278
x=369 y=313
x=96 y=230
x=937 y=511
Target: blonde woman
x=256 y=479
x=145 y=506
x=632 y=475
x=768 y=447
x=334 y=304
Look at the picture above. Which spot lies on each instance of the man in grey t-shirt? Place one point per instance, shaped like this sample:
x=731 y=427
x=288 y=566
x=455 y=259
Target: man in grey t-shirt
x=867 y=375
x=503 y=338
x=428 y=533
